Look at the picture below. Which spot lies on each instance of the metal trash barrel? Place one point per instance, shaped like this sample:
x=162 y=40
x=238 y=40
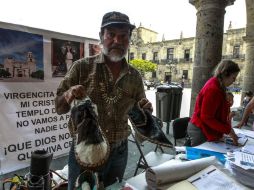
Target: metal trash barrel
x=168 y=102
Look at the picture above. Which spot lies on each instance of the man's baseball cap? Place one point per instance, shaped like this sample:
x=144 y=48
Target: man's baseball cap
x=116 y=18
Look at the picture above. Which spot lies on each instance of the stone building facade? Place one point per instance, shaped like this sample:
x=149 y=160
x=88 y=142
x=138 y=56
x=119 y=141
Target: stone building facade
x=175 y=57
x=19 y=68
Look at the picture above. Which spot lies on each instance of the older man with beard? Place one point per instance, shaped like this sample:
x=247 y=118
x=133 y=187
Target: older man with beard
x=114 y=86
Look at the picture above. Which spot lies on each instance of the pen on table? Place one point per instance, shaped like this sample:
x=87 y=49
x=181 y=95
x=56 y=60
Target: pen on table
x=200 y=177
x=211 y=171
x=195 y=180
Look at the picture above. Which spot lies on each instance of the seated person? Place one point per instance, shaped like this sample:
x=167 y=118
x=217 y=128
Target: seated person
x=246 y=100
x=249 y=109
x=230 y=99
x=209 y=121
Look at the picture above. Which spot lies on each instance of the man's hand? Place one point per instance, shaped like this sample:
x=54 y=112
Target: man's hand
x=234 y=137
x=145 y=104
x=249 y=108
x=75 y=92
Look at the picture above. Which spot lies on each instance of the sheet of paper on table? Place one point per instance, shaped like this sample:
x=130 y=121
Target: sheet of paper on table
x=212 y=178
x=218 y=147
x=174 y=171
x=248 y=133
x=242 y=139
x=248 y=148
x=209 y=178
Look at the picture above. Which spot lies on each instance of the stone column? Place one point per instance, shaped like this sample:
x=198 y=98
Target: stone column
x=248 y=78
x=208 y=42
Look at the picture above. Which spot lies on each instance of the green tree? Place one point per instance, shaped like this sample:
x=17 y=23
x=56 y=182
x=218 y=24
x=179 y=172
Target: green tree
x=143 y=65
x=38 y=74
x=4 y=73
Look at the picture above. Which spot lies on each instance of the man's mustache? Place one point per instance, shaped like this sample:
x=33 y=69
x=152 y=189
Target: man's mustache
x=116 y=47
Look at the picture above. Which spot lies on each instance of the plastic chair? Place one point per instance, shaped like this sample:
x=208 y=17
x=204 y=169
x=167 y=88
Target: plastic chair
x=180 y=128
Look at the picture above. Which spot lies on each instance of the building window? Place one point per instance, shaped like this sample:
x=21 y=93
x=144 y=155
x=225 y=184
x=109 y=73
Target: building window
x=236 y=51
x=187 y=54
x=155 y=56
x=144 y=56
x=170 y=54
x=185 y=74
x=154 y=74
x=131 y=56
x=167 y=77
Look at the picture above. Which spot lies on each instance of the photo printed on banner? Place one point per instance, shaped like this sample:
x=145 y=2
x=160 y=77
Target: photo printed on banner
x=64 y=53
x=21 y=56
x=94 y=49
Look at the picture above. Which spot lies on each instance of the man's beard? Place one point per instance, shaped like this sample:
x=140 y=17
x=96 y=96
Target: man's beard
x=114 y=57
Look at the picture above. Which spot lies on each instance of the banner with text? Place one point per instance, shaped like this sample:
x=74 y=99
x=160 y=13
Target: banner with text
x=31 y=68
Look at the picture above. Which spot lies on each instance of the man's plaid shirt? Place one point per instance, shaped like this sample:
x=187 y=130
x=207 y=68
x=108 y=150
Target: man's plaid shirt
x=128 y=90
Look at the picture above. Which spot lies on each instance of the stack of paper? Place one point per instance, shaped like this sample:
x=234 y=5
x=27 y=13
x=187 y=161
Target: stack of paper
x=242 y=165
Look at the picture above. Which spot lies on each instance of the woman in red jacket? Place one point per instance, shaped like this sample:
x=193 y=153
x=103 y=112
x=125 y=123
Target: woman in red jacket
x=210 y=117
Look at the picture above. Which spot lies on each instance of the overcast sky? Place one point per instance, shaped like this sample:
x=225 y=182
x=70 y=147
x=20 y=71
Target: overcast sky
x=83 y=17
